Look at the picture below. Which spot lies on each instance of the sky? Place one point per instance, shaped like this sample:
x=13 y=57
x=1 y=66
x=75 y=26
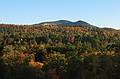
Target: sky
x=102 y=13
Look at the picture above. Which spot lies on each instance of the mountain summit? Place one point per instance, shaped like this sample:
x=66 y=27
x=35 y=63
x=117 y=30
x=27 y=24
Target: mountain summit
x=66 y=23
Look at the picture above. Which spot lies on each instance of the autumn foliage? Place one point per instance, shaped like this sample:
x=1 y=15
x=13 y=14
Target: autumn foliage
x=59 y=52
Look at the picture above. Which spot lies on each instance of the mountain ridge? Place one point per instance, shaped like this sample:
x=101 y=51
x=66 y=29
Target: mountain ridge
x=71 y=23
x=65 y=23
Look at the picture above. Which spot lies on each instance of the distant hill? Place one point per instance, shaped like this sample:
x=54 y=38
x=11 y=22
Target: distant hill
x=79 y=23
x=66 y=23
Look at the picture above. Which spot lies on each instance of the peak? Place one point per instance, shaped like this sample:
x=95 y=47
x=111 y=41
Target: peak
x=67 y=22
x=63 y=21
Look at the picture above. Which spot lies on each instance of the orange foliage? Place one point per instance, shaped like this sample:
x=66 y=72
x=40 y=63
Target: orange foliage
x=36 y=65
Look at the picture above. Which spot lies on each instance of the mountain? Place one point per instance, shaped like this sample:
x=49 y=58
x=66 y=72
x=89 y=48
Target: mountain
x=77 y=23
x=66 y=23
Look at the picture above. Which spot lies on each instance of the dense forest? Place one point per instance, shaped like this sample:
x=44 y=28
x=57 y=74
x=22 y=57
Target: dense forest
x=59 y=52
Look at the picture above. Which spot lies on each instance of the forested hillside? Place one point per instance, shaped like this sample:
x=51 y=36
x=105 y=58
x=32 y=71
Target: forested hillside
x=51 y=51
